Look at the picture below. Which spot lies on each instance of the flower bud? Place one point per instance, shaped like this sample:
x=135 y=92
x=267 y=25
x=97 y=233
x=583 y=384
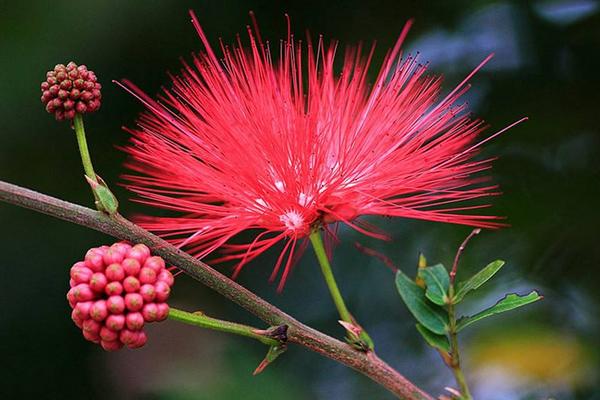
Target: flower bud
x=134 y=301
x=113 y=288
x=115 y=272
x=155 y=263
x=80 y=273
x=99 y=311
x=131 y=284
x=134 y=321
x=111 y=294
x=147 y=275
x=115 y=322
x=111 y=346
x=63 y=85
x=98 y=282
x=163 y=311
x=162 y=291
x=108 y=334
x=148 y=293
x=140 y=341
x=131 y=266
x=166 y=276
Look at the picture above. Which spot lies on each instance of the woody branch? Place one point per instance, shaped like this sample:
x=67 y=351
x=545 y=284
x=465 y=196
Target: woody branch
x=117 y=226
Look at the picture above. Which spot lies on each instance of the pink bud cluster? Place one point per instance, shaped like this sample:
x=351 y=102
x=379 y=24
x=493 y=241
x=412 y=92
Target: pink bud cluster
x=70 y=89
x=115 y=291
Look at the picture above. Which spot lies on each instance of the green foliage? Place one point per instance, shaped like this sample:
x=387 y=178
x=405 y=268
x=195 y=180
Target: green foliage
x=477 y=280
x=434 y=306
x=429 y=315
x=509 y=302
x=437 y=283
x=439 y=342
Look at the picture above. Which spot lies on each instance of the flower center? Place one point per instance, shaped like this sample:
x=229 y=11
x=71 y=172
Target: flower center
x=292 y=220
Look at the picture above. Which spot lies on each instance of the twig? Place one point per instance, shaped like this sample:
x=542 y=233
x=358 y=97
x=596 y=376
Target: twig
x=459 y=252
x=366 y=363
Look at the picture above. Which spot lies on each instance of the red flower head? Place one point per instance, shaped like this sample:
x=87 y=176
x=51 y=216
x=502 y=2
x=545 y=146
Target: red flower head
x=285 y=145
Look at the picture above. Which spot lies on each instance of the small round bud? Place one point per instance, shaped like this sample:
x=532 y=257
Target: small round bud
x=139 y=252
x=80 y=273
x=155 y=263
x=150 y=312
x=148 y=292
x=115 y=322
x=94 y=261
x=83 y=309
x=147 y=275
x=76 y=319
x=111 y=346
x=112 y=256
x=99 y=311
x=98 y=282
x=113 y=288
x=128 y=337
x=114 y=272
x=92 y=326
x=162 y=291
x=163 y=311
x=91 y=336
x=82 y=292
x=131 y=284
x=70 y=82
x=121 y=247
x=134 y=321
x=115 y=304
x=166 y=277
x=131 y=266
x=108 y=334
x=141 y=340
x=134 y=301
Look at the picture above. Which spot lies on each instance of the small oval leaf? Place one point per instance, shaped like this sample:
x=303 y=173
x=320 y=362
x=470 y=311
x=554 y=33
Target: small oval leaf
x=439 y=342
x=509 y=302
x=477 y=280
x=429 y=315
x=437 y=282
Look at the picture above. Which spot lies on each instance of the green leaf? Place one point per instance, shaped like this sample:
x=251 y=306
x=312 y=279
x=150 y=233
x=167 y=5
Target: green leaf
x=439 y=342
x=429 y=315
x=509 y=302
x=477 y=280
x=437 y=282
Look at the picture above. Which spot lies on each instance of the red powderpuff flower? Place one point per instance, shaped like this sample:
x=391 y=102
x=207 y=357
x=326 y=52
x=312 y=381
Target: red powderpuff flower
x=285 y=145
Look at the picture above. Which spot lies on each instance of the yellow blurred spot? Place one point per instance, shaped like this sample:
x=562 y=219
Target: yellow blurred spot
x=543 y=357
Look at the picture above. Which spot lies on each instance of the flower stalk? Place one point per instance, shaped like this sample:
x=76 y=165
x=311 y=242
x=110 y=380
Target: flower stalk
x=357 y=336
x=204 y=321
x=454 y=361
x=83 y=147
x=105 y=200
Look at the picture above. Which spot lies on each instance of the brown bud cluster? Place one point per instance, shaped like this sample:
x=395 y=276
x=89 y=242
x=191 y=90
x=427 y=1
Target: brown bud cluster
x=69 y=90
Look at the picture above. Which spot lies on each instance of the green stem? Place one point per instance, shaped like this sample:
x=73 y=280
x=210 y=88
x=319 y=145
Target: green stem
x=203 y=321
x=83 y=147
x=336 y=295
x=459 y=376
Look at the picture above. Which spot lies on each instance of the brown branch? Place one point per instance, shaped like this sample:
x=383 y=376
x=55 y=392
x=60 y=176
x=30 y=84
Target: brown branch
x=366 y=363
x=459 y=252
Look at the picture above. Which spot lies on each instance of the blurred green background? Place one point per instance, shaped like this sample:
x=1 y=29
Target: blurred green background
x=546 y=67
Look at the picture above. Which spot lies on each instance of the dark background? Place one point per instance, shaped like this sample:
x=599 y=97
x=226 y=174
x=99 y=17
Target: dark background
x=546 y=67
